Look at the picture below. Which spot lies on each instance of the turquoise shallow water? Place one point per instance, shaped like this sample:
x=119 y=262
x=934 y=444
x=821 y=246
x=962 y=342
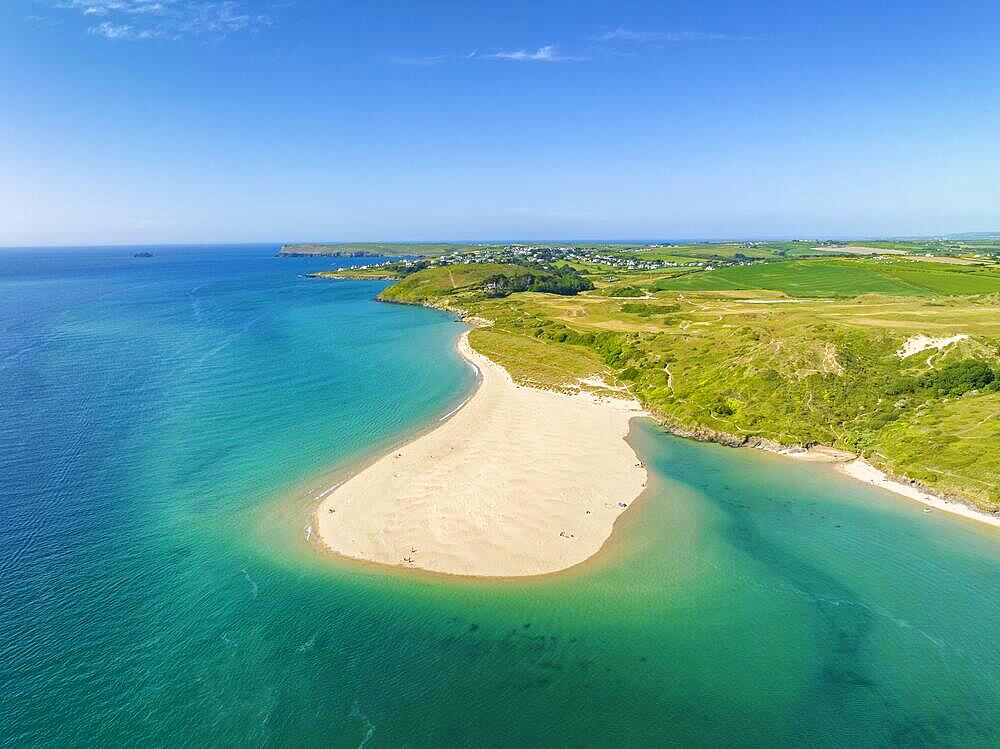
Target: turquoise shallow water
x=166 y=423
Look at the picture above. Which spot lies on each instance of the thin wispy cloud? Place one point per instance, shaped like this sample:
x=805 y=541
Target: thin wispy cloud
x=165 y=19
x=122 y=7
x=649 y=37
x=642 y=38
x=547 y=53
x=119 y=31
x=220 y=19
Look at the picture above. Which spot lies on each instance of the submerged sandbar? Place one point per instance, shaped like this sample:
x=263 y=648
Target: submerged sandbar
x=519 y=481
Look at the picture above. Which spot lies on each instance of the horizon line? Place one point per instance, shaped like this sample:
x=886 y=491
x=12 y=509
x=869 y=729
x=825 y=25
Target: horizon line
x=955 y=236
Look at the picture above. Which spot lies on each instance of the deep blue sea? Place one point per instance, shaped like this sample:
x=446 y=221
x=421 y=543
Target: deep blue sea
x=166 y=424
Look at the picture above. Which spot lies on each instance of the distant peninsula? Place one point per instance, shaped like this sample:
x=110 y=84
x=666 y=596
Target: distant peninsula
x=366 y=249
x=453 y=249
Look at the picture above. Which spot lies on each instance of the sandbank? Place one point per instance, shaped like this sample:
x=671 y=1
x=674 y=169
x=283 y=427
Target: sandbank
x=518 y=481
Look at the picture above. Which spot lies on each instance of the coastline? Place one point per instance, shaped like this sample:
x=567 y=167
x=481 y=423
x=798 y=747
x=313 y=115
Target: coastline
x=861 y=470
x=514 y=482
x=848 y=463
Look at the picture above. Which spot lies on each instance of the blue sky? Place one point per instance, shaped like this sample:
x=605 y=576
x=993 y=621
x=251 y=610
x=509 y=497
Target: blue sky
x=272 y=120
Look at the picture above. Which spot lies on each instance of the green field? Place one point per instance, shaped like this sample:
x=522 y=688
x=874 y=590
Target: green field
x=841 y=278
x=953 y=246
x=987 y=249
x=681 y=253
x=686 y=252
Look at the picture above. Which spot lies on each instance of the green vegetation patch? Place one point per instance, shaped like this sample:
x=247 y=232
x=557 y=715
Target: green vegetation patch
x=437 y=284
x=841 y=278
x=537 y=361
x=960 y=377
x=563 y=280
x=943 y=279
x=644 y=309
x=625 y=292
x=380 y=273
x=950 y=445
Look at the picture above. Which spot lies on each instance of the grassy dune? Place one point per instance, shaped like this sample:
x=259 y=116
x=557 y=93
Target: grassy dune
x=808 y=355
x=950 y=445
x=536 y=362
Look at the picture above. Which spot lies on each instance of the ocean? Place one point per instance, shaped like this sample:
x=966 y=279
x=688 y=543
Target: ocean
x=167 y=425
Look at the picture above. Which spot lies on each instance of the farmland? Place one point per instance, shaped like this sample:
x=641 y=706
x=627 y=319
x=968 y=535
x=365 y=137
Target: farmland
x=841 y=278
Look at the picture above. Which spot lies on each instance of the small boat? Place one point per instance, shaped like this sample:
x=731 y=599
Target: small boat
x=927 y=509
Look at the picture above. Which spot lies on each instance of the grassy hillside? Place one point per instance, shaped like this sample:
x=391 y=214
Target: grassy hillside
x=750 y=363
x=440 y=285
x=951 y=445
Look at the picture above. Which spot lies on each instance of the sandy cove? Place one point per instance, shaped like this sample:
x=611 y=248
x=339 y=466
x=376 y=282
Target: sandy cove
x=848 y=463
x=864 y=471
x=860 y=469
x=519 y=481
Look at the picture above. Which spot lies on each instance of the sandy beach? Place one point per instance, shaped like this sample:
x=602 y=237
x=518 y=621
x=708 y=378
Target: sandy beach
x=859 y=469
x=519 y=481
x=864 y=471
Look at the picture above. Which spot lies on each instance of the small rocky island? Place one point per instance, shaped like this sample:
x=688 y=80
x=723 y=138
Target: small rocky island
x=143 y=254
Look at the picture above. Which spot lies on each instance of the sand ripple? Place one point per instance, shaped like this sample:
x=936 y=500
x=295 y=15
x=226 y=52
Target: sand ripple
x=519 y=481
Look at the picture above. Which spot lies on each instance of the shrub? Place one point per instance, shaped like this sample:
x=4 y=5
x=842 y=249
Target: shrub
x=639 y=308
x=565 y=281
x=722 y=408
x=899 y=385
x=627 y=291
x=960 y=377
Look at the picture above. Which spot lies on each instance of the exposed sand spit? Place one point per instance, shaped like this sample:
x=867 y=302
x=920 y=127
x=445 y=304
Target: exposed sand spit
x=518 y=482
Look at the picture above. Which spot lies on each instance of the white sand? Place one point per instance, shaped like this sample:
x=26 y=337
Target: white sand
x=819 y=454
x=519 y=481
x=862 y=470
x=916 y=344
